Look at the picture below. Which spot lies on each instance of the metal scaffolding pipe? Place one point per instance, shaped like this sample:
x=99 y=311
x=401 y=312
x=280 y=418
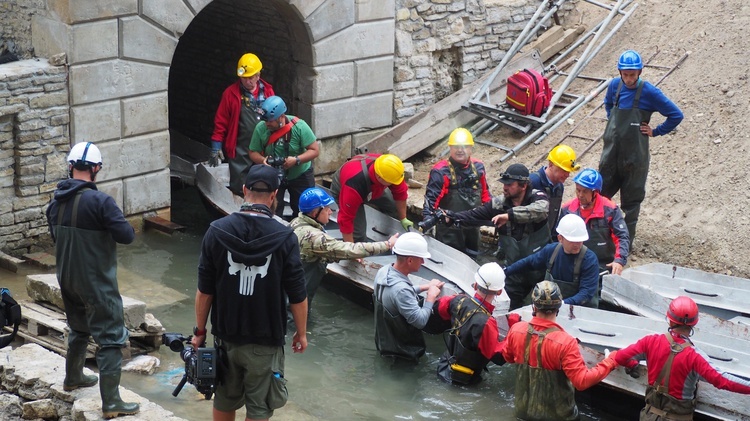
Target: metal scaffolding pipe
x=593 y=94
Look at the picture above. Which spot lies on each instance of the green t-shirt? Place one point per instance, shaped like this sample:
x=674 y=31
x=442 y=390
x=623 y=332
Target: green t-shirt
x=301 y=137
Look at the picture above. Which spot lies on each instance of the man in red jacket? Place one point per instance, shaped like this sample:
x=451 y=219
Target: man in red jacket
x=674 y=360
x=236 y=118
x=548 y=373
x=374 y=179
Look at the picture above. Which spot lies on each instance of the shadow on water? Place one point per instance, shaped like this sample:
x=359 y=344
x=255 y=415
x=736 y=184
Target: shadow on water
x=341 y=375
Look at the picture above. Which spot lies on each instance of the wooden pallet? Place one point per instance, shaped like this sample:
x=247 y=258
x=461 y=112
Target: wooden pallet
x=46 y=325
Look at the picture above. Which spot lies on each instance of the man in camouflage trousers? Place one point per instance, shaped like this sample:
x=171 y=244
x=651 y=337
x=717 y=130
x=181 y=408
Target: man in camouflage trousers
x=317 y=248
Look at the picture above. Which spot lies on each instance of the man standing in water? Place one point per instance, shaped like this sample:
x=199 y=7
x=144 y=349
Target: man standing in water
x=249 y=265
x=86 y=226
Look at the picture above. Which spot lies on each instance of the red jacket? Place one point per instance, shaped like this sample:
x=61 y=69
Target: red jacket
x=439 y=184
x=487 y=342
x=559 y=352
x=358 y=188
x=688 y=366
x=605 y=212
x=227 y=119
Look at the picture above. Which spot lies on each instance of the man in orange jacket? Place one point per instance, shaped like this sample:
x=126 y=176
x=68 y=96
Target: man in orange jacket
x=548 y=373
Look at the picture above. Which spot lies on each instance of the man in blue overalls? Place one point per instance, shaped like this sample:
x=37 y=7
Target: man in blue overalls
x=629 y=103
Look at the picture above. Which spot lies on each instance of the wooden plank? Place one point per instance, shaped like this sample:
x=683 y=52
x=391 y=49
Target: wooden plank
x=436 y=122
x=547 y=38
x=563 y=41
x=161 y=224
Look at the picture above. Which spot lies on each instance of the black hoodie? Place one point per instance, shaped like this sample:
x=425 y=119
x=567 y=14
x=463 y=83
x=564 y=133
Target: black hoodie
x=249 y=263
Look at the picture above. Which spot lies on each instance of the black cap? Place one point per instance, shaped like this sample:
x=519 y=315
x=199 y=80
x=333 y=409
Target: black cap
x=264 y=174
x=515 y=172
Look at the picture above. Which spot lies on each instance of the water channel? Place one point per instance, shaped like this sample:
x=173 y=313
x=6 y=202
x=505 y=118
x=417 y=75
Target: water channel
x=340 y=376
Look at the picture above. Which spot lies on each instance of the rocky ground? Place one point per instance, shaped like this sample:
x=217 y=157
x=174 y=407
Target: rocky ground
x=696 y=209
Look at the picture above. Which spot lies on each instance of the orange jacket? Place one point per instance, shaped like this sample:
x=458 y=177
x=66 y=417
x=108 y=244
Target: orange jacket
x=559 y=352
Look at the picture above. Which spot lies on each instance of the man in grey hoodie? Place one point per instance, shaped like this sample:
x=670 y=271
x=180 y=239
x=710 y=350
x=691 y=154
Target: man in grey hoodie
x=400 y=314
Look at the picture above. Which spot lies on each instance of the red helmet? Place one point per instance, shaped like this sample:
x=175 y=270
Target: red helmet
x=683 y=311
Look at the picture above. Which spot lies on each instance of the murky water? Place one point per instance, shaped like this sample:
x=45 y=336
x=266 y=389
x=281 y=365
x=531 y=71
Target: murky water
x=340 y=376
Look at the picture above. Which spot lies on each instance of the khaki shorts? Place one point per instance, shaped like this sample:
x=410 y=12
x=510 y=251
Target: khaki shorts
x=255 y=378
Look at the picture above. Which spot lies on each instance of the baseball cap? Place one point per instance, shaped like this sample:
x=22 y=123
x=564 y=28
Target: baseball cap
x=265 y=174
x=515 y=172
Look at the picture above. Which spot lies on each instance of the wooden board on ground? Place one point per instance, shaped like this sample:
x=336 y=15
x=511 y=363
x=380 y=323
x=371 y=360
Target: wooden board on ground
x=436 y=122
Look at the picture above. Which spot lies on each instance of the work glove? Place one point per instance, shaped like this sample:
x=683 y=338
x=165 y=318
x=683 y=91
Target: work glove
x=406 y=223
x=216 y=155
x=513 y=318
x=449 y=214
x=633 y=372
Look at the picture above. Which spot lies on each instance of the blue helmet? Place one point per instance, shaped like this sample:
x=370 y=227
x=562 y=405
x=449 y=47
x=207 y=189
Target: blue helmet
x=273 y=107
x=314 y=198
x=630 y=60
x=590 y=179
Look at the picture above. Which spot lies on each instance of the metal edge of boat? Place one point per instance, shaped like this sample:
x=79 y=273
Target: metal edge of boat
x=597 y=330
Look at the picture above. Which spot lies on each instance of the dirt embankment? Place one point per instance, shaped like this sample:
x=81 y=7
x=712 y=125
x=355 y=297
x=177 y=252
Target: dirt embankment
x=697 y=207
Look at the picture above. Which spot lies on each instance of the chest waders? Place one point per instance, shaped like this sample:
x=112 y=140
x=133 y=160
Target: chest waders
x=249 y=118
x=384 y=203
x=394 y=336
x=555 y=203
x=460 y=364
x=87 y=271
x=464 y=193
x=660 y=405
x=542 y=394
x=569 y=289
x=519 y=285
x=625 y=158
x=600 y=242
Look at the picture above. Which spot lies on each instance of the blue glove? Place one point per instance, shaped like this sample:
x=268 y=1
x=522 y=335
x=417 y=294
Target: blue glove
x=216 y=155
x=406 y=223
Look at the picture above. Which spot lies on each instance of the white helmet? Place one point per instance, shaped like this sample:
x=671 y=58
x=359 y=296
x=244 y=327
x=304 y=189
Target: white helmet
x=411 y=244
x=573 y=228
x=490 y=276
x=85 y=153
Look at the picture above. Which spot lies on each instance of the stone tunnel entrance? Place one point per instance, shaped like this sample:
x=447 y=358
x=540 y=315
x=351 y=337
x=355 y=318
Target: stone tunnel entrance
x=205 y=63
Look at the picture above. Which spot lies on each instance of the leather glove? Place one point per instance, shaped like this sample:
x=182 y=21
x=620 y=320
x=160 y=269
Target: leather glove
x=406 y=223
x=513 y=318
x=216 y=155
x=633 y=372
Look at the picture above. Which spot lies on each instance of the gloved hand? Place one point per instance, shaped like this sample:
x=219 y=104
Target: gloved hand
x=513 y=318
x=633 y=372
x=406 y=223
x=216 y=155
x=450 y=218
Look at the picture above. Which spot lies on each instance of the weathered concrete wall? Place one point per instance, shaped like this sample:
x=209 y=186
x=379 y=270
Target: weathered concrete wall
x=15 y=29
x=34 y=143
x=31 y=387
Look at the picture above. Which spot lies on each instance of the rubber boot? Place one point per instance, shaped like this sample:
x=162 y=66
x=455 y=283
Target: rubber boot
x=75 y=359
x=112 y=404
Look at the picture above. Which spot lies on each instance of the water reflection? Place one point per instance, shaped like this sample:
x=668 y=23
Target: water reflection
x=340 y=376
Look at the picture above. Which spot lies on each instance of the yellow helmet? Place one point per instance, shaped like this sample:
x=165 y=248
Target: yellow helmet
x=249 y=65
x=564 y=157
x=460 y=137
x=389 y=168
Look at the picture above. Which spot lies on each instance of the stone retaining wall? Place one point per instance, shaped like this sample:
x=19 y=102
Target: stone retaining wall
x=15 y=30
x=31 y=387
x=34 y=143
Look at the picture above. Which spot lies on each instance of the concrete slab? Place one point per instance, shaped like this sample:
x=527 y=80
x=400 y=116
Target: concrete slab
x=134 y=156
x=147 y=192
x=360 y=113
x=333 y=82
x=145 y=114
x=174 y=15
x=75 y=11
x=95 y=123
x=333 y=151
x=113 y=79
x=41 y=259
x=9 y=262
x=331 y=17
x=143 y=41
x=375 y=9
x=358 y=41
x=374 y=75
x=154 y=293
x=93 y=41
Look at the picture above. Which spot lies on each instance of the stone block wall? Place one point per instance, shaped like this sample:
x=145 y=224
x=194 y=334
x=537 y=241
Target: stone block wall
x=15 y=30
x=34 y=143
x=444 y=45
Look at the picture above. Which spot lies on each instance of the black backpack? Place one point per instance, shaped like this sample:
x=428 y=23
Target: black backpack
x=10 y=315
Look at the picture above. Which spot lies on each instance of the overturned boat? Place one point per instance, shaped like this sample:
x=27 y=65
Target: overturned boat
x=598 y=330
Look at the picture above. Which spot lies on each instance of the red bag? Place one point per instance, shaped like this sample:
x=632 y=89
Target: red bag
x=528 y=92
